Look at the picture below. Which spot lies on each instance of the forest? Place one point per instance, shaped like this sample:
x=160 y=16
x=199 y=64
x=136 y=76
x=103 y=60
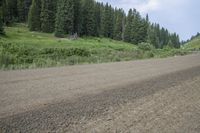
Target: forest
x=85 y=18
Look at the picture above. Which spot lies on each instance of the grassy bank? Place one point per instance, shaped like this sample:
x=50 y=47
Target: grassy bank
x=22 y=49
x=193 y=45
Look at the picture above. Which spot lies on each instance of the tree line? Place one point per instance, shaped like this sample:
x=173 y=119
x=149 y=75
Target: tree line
x=86 y=18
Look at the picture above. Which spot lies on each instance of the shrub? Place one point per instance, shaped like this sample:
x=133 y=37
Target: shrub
x=65 y=52
x=145 y=46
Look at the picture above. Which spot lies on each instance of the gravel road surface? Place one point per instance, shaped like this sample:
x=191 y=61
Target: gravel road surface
x=156 y=95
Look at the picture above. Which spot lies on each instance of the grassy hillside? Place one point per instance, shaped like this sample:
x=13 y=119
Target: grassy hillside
x=24 y=49
x=193 y=44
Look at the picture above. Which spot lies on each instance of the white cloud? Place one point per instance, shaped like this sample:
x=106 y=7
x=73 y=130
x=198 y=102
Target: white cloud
x=147 y=6
x=143 y=6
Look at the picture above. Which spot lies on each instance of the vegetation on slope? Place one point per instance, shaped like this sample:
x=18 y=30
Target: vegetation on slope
x=21 y=49
x=193 y=45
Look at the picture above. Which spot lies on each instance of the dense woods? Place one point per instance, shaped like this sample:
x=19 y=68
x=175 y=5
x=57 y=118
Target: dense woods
x=86 y=18
x=1 y=19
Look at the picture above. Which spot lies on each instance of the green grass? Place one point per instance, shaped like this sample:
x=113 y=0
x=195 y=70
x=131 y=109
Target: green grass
x=193 y=45
x=21 y=35
x=22 y=49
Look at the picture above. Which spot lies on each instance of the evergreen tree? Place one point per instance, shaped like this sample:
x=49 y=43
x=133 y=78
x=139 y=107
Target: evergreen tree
x=163 y=37
x=3 y=9
x=64 y=18
x=118 y=29
x=111 y=22
x=128 y=26
x=102 y=9
x=135 y=28
x=5 y=13
x=108 y=21
x=98 y=14
x=142 y=33
x=152 y=36
x=1 y=19
x=175 y=40
x=34 y=22
x=88 y=17
x=48 y=11
x=160 y=37
x=1 y=26
x=27 y=4
x=77 y=17
x=9 y=11
x=157 y=31
x=21 y=10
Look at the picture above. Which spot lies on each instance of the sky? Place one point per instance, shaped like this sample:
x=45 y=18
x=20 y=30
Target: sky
x=180 y=16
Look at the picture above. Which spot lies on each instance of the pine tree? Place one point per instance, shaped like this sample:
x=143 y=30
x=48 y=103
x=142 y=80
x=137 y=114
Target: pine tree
x=175 y=40
x=102 y=9
x=21 y=10
x=9 y=11
x=64 y=18
x=48 y=11
x=77 y=17
x=142 y=31
x=111 y=22
x=157 y=30
x=88 y=17
x=1 y=19
x=118 y=29
x=170 y=44
x=138 y=28
x=1 y=27
x=60 y=20
x=5 y=14
x=98 y=19
x=128 y=26
x=34 y=16
x=135 y=28
x=163 y=37
x=152 y=37
x=27 y=4
x=108 y=21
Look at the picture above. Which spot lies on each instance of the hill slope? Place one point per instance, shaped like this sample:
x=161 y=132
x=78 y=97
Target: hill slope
x=194 y=44
x=24 y=49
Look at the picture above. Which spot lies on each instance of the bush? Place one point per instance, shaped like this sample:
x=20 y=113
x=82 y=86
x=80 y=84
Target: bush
x=145 y=46
x=6 y=59
x=65 y=52
x=14 y=55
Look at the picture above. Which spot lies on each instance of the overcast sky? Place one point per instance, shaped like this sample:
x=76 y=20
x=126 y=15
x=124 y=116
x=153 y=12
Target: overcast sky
x=180 y=16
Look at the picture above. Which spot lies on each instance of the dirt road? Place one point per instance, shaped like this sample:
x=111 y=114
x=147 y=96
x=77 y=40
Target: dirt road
x=157 y=95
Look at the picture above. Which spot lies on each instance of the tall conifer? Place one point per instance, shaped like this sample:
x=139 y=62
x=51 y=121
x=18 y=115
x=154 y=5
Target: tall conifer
x=128 y=26
x=48 y=11
x=64 y=18
x=1 y=19
x=88 y=17
x=21 y=10
x=34 y=22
